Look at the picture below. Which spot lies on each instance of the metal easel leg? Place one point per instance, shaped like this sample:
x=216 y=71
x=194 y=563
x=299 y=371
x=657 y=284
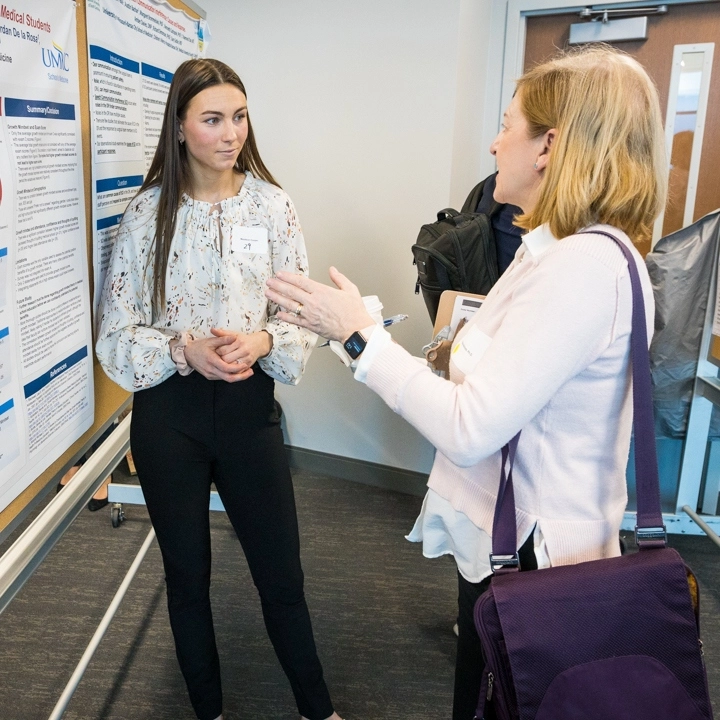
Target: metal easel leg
x=74 y=681
x=709 y=503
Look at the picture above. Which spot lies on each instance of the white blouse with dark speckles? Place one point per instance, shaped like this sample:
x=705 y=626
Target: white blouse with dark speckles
x=212 y=281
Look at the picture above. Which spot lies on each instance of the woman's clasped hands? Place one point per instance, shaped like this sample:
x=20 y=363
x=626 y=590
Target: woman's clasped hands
x=333 y=312
x=228 y=355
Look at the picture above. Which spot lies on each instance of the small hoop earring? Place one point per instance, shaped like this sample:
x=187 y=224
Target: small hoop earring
x=182 y=142
x=535 y=165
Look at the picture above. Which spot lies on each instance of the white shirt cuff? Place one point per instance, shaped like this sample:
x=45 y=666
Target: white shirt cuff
x=377 y=338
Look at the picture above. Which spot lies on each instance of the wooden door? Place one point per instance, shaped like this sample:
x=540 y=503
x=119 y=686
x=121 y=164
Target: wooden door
x=683 y=24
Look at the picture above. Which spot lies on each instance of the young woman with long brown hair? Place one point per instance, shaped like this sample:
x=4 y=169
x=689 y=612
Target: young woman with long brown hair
x=185 y=325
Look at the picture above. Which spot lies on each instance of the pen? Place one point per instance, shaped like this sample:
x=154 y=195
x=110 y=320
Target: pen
x=394 y=320
x=387 y=322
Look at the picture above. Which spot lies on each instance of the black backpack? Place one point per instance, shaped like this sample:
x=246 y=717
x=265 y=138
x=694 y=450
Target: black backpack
x=457 y=252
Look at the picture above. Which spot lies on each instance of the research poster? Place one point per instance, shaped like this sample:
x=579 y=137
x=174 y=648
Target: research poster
x=134 y=47
x=46 y=379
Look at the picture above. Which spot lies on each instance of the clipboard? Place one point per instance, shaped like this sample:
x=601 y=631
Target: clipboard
x=454 y=310
x=448 y=304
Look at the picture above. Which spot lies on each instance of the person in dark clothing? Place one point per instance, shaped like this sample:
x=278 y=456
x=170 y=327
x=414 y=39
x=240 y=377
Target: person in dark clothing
x=507 y=236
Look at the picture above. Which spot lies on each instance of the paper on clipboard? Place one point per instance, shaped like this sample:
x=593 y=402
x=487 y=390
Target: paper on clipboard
x=453 y=307
x=464 y=307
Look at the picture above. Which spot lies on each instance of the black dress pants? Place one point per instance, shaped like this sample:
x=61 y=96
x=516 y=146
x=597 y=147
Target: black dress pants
x=470 y=659
x=186 y=433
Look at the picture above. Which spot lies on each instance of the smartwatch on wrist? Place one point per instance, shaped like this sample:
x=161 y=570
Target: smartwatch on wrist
x=354 y=345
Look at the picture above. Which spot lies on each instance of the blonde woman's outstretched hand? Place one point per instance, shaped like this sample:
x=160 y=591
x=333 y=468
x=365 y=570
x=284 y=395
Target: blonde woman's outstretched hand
x=333 y=312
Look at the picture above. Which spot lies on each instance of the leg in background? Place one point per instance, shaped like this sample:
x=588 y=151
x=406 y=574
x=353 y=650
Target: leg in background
x=99 y=499
x=470 y=662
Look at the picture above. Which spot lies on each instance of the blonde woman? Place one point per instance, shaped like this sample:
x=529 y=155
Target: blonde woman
x=580 y=150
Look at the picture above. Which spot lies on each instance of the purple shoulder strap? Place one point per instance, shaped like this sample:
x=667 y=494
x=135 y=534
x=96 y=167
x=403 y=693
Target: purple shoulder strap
x=650 y=530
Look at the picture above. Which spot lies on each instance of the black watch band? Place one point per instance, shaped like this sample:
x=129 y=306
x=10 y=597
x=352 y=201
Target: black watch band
x=354 y=345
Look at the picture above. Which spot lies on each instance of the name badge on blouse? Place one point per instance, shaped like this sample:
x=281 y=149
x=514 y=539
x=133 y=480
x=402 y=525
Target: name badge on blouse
x=467 y=352
x=250 y=240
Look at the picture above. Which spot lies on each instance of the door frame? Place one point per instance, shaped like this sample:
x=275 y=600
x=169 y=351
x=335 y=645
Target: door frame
x=507 y=41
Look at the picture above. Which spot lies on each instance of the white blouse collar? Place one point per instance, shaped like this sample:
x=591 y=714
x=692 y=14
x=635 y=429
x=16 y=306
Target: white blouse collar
x=539 y=240
x=185 y=199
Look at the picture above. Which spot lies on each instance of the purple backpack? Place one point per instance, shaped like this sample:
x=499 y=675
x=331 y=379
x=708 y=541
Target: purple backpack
x=611 y=639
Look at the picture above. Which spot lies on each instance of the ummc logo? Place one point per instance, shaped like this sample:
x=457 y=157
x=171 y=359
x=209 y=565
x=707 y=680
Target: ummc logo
x=55 y=58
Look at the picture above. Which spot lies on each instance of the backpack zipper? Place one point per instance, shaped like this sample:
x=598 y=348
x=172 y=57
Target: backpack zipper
x=491 y=680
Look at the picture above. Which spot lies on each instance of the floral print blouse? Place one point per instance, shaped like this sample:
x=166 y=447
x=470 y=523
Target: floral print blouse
x=220 y=260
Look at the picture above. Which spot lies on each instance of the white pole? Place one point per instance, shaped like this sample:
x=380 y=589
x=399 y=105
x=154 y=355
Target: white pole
x=703 y=525
x=70 y=688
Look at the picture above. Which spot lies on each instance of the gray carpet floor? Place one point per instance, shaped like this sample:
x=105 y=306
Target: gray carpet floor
x=382 y=615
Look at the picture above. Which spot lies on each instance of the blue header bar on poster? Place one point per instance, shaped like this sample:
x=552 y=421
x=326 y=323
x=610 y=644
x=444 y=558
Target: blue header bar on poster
x=113 y=58
x=156 y=73
x=17 y=107
x=9 y=405
x=118 y=183
x=107 y=222
x=63 y=366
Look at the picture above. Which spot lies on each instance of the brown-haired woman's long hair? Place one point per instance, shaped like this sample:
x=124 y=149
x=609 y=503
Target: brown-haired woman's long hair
x=170 y=170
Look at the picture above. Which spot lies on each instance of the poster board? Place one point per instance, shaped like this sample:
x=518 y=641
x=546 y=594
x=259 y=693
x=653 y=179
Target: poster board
x=134 y=48
x=46 y=375
x=109 y=399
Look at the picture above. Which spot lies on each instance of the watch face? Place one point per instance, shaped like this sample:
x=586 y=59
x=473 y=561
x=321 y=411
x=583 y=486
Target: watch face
x=354 y=345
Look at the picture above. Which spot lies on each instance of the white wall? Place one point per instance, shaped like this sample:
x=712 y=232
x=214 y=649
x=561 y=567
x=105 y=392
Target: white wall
x=369 y=115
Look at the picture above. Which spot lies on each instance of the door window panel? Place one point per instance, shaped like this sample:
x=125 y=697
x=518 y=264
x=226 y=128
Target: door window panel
x=687 y=105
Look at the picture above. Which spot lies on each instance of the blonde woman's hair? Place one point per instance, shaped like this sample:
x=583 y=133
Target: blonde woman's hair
x=607 y=163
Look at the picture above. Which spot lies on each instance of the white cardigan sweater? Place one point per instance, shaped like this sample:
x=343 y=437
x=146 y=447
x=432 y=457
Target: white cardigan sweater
x=548 y=352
